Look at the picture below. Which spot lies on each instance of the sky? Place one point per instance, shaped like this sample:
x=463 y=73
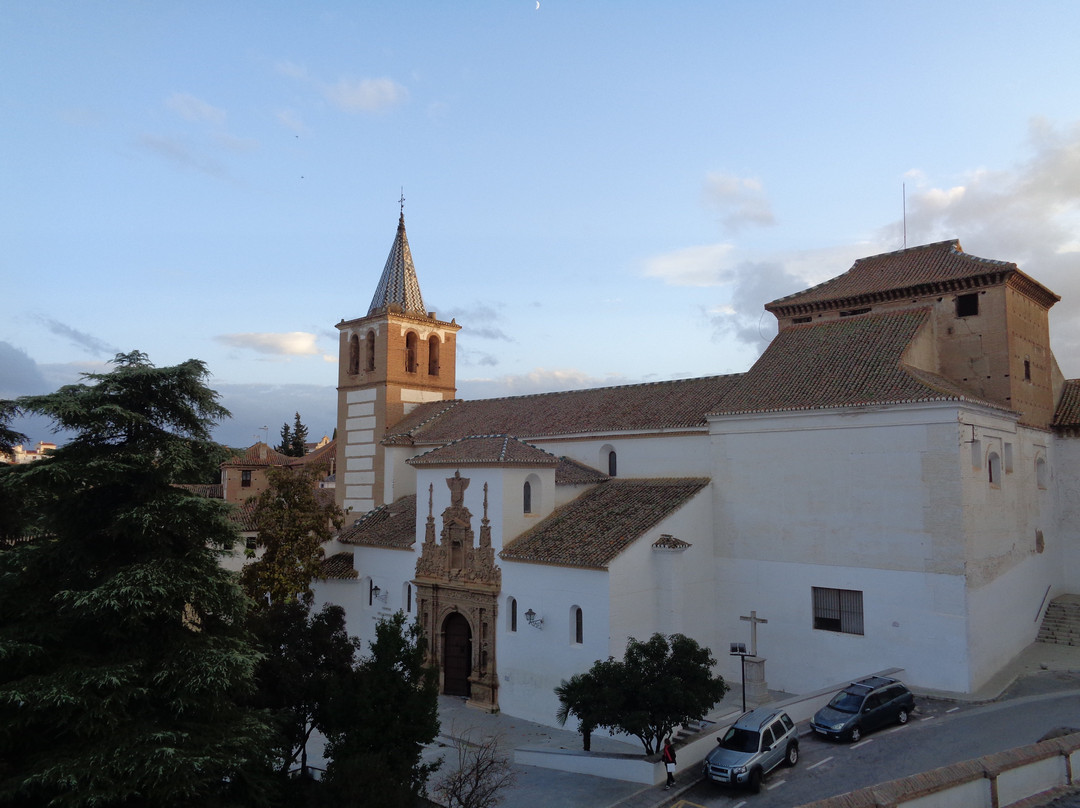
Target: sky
x=599 y=192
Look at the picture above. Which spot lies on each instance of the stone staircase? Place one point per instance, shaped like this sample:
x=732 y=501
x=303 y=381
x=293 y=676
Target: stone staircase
x=1061 y=623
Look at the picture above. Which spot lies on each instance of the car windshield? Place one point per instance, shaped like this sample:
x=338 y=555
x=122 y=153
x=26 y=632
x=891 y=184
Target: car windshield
x=740 y=740
x=846 y=702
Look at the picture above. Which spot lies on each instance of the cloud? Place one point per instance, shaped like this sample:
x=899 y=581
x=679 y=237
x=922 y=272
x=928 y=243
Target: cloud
x=19 y=374
x=693 y=266
x=741 y=201
x=191 y=108
x=181 y=154
x=236 y=144
x=365 y=95
x=292 y=343
x=254 y=406
x=80 y=339
x=291 y=121
x=482 y=319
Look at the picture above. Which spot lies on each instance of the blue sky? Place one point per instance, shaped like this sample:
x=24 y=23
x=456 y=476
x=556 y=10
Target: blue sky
x=599 y=192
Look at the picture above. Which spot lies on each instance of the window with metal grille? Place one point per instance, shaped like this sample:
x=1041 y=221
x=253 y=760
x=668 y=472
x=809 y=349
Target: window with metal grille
x=838 y=610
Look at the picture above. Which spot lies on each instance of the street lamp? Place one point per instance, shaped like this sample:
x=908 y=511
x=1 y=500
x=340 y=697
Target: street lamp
x=739 y=649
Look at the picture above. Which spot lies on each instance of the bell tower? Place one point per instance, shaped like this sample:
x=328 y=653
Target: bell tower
x=390 y=360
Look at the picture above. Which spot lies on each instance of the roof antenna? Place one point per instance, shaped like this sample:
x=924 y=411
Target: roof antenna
x=904 y=187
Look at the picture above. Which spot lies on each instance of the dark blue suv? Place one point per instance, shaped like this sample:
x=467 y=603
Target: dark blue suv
x=864 y=706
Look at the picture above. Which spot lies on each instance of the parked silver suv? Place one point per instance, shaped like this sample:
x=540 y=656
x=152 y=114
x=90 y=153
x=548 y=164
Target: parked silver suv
x=753 y=746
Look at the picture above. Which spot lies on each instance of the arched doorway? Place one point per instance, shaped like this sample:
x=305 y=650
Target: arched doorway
x=457 y=655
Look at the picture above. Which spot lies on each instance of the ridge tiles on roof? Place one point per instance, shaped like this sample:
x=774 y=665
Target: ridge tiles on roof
x=499 y=450
x=940 y=262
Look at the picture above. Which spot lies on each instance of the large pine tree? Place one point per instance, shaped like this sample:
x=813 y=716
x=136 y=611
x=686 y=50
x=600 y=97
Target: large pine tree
x=124 y=659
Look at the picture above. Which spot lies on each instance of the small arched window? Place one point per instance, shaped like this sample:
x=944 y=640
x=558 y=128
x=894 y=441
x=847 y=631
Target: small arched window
x=511 y=614
x=579 y=626
x=408 y=598
x=370 y=363
x=433 y=356
x=1041 y=473
x=410 y=352
x=354 y=354
x=526 y=498
x=612 y=465
x=993 y=469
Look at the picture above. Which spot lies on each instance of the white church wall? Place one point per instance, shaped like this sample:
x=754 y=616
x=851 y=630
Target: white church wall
x=1063 y=482
x=666 y=591
x=542 y=494
x=533 y=661
x=672 y=454
x=911 y=620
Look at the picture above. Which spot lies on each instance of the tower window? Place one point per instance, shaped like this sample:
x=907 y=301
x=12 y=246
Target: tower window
x=410 y=352
x=433 y=356
x=526 y=497
x=354 y=354
x=370 y=363
x=993 y=469
x=967 y=305
x=1027 y=370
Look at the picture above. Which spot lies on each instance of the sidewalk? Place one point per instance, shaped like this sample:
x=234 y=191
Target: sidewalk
x=536 y=786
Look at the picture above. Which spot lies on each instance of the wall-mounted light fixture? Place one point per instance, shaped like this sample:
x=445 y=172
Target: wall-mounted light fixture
x=533 y=620
x=373 y=593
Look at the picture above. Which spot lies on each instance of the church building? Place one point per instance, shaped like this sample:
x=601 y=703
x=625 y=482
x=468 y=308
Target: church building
x=891 y=484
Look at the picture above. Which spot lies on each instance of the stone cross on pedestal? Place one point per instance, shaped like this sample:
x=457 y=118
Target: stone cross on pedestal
x=753 y=620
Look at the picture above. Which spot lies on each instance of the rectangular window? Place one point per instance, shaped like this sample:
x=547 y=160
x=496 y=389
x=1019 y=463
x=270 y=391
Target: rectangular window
x=245 y=479
x=967 y=305
x=838 y=610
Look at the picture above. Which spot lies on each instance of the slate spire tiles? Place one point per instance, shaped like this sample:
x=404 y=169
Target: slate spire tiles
x=398 y=287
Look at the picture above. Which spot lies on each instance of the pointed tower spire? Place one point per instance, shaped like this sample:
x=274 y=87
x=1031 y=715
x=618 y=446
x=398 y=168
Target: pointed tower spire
x=398 y=289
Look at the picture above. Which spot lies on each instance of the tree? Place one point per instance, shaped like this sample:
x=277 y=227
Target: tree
x=292 y=523
x=658 y=685
x=307 y=658
x=125 y=662
x=298 y=443
x=381 y=718
x=8 y=436
x=481 y=775
x=294 y=439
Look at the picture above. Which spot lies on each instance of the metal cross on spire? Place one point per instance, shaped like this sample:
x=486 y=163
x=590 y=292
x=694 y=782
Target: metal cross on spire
x=402 y=201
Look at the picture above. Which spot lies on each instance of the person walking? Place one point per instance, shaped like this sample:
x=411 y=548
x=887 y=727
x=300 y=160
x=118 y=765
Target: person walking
x=668 y=756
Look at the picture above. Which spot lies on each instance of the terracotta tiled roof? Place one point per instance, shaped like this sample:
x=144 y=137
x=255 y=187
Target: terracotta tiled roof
x=682 y=403
x=1067 y=416
x=486 y=450
x=571 y=472
x=324 y=454
x=601 y=523
x=908 y=273
x=669 y=542
x=242 y=514
x=258 y=455
x=392 y=525
x=841 y=363
x=210 y=491
x=339 y=566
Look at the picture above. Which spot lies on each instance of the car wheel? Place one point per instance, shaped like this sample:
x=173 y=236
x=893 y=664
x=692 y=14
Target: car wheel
x=792 y=756
x=755 y=781
x=856 y=733
x=902 y=717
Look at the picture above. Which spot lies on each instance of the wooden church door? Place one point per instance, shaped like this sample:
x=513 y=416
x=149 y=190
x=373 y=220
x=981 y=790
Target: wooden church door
x=457 y=655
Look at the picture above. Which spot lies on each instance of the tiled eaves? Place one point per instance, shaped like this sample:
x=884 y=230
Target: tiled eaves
x=259 y=454
x=595 y=528
x=1067 y=415
x=392 y=526
x=942 y=267
x=338 y=567
x=571 y=472
x=486 y=450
